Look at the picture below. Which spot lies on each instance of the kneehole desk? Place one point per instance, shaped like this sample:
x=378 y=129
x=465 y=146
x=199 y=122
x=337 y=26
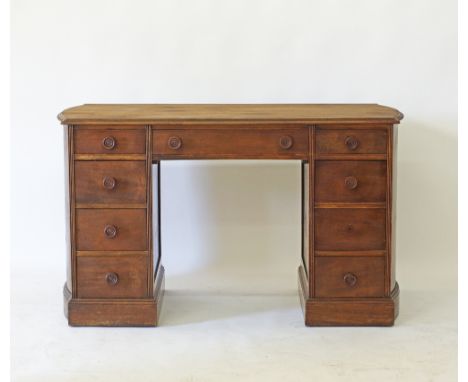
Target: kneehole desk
x=347 y=270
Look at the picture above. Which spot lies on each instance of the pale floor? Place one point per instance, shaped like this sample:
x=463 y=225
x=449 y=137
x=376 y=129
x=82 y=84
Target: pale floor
x=225 y=334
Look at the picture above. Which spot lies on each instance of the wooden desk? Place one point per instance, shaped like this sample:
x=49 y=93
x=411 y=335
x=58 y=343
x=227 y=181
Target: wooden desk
x=347 y=272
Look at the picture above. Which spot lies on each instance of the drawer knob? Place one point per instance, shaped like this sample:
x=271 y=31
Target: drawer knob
x=174 y=143
x=350 y=279
x=109 y=182
x=110 y=231
x=108 y=143
x=112 y=278
x=352 y=142
x=286 y=142
x=351 y=182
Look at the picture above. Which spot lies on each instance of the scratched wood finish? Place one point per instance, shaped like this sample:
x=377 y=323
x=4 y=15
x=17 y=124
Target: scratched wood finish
x=91 y=141
x=245 y=143
x=129 y=272
x=109 y=182
x=350 y=181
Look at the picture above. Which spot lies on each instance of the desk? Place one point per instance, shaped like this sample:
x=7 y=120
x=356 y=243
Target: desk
x=347 y=266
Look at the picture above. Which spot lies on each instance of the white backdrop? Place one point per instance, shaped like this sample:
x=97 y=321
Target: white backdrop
x=397 y=53
x=235 y=216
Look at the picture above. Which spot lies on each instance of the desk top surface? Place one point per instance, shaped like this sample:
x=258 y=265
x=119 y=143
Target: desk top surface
x=158 y=113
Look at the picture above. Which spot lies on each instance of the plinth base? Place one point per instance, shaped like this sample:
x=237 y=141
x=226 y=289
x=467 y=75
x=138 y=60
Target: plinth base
x=347 y=311
x=115 y=312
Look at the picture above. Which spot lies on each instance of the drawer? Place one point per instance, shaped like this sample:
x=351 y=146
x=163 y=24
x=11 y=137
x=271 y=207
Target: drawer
x=350 y=181
x=110 y=182
x=350 y=229
x=112 y=277
x=111 y=229
x=241 y=143
x=109 y=141
x=350 y=277
x=351 y=141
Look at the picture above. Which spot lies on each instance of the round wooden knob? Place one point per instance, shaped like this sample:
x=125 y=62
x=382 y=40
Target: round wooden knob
x=349 y=228
x=174 y=143
x=110 y=231
x=109 y=143
x=286 y=142
x=350 y=279
x=351 y=182
x=109 y=183
x=351 y=142
x=112 y=278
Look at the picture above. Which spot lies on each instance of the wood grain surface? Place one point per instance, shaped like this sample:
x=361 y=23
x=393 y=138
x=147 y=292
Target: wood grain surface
x=153 y=113
x=110 y=182
x=347 y=151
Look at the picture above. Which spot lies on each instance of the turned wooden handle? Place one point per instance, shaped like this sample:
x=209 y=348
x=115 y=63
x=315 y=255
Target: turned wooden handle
x=286 y=142
x=174 y=143
x=352 y=142
x=350 y=279
x=109 y=182
x=110 y=231
x=112 y=278
x=109 y=143
x=351 y=182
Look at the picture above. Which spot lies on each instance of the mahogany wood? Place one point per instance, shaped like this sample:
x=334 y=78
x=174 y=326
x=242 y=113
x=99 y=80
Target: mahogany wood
x=351 y=142
x=130 y=226
x=305 y=215
x=391 y=205
x=350 y=229
x=350 y=181
x=365 y=311
x=69 y=207
x=113 y=154
x=112 y=277
x=150 y=114
x=334 y=275
x=109 y=182
x=311 y=212
x=240 y=143
x=125 y=141
x=115 y=312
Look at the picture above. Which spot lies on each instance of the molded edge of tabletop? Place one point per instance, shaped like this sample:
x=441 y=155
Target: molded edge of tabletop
x=174 y=113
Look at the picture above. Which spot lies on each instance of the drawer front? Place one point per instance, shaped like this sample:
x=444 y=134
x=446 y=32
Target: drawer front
x=241 y=143
x=111 y=229
x=350 y=229
x=112 y=277
x=350 y=181
x=350 y=277
x=108 y=141
x=351 y=141
x=110 y=182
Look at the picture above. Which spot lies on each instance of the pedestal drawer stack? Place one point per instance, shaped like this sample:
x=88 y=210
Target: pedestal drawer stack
x=352 y=218
x=110 y=187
